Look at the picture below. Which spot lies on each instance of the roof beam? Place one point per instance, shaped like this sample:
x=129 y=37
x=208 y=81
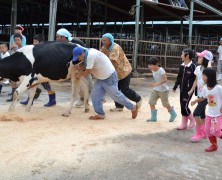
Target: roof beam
x=164 y=11
x=111 y=6
x=207 y=6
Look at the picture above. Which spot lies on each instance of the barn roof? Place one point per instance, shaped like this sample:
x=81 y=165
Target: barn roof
x=37 y=11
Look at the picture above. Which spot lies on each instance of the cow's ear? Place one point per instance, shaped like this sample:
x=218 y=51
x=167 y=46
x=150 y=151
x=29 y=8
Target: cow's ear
x=75 y=62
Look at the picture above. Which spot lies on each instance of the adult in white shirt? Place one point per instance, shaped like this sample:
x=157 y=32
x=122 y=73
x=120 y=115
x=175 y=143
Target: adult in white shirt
x=219 y=62
x=99 y=65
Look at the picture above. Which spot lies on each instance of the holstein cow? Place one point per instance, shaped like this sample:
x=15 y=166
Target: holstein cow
x=50 y=61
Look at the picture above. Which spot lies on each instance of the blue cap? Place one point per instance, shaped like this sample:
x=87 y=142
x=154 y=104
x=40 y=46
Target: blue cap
x=220 y=39
x=110 y=36
x=77 y=51
x=64 y=32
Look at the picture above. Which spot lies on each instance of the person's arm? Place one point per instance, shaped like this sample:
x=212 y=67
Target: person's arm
x=114 y=56
x=90 y=64
x=197 y=100
x=193 y=87
x=11 y=41
x=84 y=73
x=23 y=40
x=163 y=80
x=177 y=83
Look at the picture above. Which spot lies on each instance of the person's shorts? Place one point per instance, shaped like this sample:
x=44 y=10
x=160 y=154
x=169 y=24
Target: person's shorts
x=155 y=95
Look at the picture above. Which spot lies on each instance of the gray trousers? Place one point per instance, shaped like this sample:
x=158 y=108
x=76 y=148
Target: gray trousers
x=219 y=67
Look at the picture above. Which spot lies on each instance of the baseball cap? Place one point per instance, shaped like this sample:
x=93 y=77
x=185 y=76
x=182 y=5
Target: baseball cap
x=76 y=52
x=19 y=27
x=207 y=54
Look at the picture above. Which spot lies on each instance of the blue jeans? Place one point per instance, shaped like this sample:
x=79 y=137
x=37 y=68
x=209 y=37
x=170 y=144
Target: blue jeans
x=109 y=86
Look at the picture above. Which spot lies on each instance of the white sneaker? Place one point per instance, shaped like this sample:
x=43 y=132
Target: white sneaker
x=79 y=103
x=138 y=104
x=116 y=109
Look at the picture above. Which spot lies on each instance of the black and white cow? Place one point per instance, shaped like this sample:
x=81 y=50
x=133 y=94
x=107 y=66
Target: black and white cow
x=45 y=62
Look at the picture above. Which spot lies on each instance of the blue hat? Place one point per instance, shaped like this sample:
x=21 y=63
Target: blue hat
x=76 y=52
x=220 y=39
x=65 y=32
x=110 y=36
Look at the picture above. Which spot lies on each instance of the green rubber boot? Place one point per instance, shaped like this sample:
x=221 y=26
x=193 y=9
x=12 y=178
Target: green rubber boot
x=153 y=116
x=173 y=115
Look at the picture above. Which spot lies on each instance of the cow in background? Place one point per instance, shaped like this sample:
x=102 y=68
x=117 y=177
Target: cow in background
x=46 y=62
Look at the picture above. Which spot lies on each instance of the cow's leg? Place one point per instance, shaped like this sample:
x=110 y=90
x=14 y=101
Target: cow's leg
x=31 y=96
x=13 y=103
x=75 y=91
x=22 y=88
x=84 y=84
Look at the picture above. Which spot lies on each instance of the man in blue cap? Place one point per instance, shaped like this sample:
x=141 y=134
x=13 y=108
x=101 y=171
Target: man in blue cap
x=99 y=65
x=219 y=64
x=64 y=35
x=123 y=68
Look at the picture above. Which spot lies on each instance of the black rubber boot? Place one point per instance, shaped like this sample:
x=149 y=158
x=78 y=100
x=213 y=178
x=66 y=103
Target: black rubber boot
x=1 y=88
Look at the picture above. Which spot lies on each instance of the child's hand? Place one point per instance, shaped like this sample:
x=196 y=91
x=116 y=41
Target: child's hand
x=174 y=90
x=190 y=92
x=14 y=46
x=154 y=84
x=193 y=103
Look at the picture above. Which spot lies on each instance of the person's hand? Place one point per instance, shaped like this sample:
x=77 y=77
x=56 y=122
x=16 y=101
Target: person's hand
x=220 y=110
x=193 y=103
x=78 y=75
x=14 y=46
x=81 y=67
x=174 y=90
x=190 y=92
x=154 y=84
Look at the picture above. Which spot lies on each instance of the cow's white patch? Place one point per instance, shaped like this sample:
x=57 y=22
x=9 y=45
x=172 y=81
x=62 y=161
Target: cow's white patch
x=28 y=52
x=24 y=82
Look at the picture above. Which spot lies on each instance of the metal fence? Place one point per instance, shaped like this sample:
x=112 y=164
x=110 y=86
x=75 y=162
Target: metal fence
x=169 y=54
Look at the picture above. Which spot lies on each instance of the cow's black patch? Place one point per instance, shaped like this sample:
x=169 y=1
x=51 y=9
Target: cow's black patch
x=51 y=59
x=14 y=66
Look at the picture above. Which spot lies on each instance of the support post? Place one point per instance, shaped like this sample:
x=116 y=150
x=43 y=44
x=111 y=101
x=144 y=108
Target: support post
x=181 y=31
x=191 y=23
x=136 y=41
x=52 y=19
x=142 y=22
x=89 y=22
x=13 y=16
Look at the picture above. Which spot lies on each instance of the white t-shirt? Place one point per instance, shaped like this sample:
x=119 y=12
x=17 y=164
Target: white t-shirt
x=158 y=75
x=200 y=82
x=5 y=55
x=220 y=52
x=101 y=66
x=214 y=98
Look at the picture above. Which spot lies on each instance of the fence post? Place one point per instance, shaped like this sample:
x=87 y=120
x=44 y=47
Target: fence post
x=165 y=58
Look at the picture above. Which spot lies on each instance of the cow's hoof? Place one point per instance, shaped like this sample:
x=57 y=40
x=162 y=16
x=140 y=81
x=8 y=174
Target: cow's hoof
x=28 y=109
x=66 y=114
x=86 y=110
x=11 y=110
